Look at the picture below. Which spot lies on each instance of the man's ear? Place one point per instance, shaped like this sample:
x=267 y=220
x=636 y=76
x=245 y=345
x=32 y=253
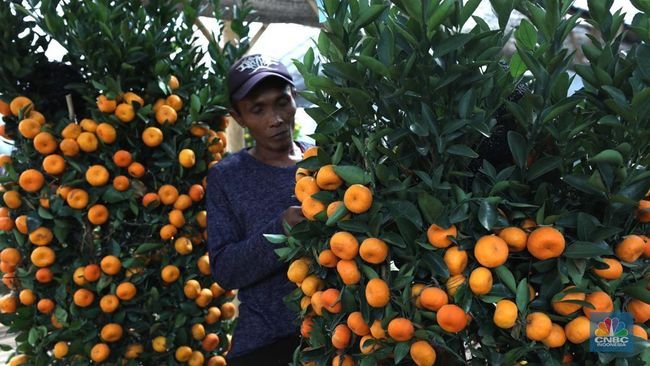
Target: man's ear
x=237 y=117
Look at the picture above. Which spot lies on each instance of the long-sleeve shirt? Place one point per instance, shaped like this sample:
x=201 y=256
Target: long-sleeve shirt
x=246 y=199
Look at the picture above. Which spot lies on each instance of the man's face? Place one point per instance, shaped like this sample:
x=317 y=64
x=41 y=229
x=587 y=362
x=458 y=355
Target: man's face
x=268 y=112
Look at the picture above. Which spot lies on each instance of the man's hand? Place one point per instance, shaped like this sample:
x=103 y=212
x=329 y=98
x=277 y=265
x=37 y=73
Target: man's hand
x=293 y=215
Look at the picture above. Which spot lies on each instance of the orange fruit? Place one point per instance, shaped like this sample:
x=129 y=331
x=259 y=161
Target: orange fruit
x=6 y=223
x=97 y=175
x=12 y=200
x=126 y=291
x=348 y=271
x=106 y=105
x=175 y=102
x=439 y=237
x=187 y=158
x=614 y=270
x=377 y=330
x=183 y=245
x=515 y=237
x=152 y=136
x=197 y=331
x=60 y=350
x=173 y=82
x=330 y=300
x=455 y=259
x=136 y=170
x=106 y=133
x=88 y=124
x=357 y=324
x=505 y=314
x=87 y=142
x=44 y=275
x=305 y=187
x=31 y=180
x=640 y=310
x=422 y=353
x=341 y=336
x=176 y=218
x=11 y=256
x=433 y=298
x=538 y=326
x=400 y=329
x=111 y=265
x=454 y=282
x=333 y=206
x=357 y=198
x=133 y=351
x=327 y=259
x=122 y=158
x=41 y=236
x=480 y=281
x=578 y=330
x=183 y=202
x=168 y=194
x=557 y=337
x=302 y=172
x=121 y=183
x=377 y=293
x=54 y=164
x=19 y=104
x=5 y=110
x=43 y=256
x=373 y=250
x=311 y=151
x=216 y=361
x=109 y=303
x=71 y=131
x=306 y=326
x=45 y=143
x=210 y=342
x=311 y=207
x=69 y=147
x=298 y=270
x=566 y=308
x=100 y=352
x=92 y=272
x=125 y=112
x=83 y=298
x=159 y=344
x=45 y=306
x=203 y=263
x=545 y=242
x=27 y=297
x=77 y=198
x=311 y=284
x=344 y=245
x=601 y=301
x=343 y=360
x=630 y=248
x=166 y=114
x=639 y=331
x=149 y=198
x=491 y=251
x=451 y=318
x=643 y=212
x=327 y=179
x=38 y=116
x=196 y=192
x=228 y=310
x=29 y=128
x=131 y=97
x=170 y=273
x=368 y=347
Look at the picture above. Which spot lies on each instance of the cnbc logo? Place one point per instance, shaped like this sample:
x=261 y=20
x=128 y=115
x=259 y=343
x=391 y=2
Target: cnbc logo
x=610 y=332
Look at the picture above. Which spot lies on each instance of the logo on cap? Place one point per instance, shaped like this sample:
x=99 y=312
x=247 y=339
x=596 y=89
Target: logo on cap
x=254 y=63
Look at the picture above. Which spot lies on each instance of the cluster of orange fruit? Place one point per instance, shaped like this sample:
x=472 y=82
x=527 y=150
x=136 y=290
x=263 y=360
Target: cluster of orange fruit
x=105 y=282
x=357 y=335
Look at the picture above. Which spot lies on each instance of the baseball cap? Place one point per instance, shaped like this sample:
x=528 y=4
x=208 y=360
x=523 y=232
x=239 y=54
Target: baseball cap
x=250 y=70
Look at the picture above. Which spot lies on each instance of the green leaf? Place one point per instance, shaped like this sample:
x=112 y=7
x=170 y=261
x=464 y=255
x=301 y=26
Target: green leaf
x=639 y=290
x=522 y=295
x=430 y=206
x=338 y=214
x=352 y=174
x=374 y=65
x=526 y=35
x=401 y=350
x=487 y=214
x=506 y=277
x=438 y=16
x=275 y=238
x=148 y=247
x=368 y=16
x=542 y=166
x=462 y=150
x=518 y=148
x=517 y=66
x=503 y=9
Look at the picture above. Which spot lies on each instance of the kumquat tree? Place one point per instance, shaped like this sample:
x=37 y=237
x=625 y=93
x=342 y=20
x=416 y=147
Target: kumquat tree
x=463 y=206
x=102 y=219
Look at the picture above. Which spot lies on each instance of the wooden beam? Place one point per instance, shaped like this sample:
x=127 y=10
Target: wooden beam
x=257 y=35
x=271 y=11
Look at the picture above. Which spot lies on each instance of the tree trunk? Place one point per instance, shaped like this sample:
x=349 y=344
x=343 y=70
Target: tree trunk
x=273 y=11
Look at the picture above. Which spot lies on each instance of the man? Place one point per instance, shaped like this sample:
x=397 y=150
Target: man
x=250 y=193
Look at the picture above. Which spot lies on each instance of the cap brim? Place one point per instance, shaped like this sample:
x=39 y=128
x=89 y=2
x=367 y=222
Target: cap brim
x=250 y=83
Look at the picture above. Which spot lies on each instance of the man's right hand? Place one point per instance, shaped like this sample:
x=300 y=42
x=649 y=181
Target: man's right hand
x=293 y=215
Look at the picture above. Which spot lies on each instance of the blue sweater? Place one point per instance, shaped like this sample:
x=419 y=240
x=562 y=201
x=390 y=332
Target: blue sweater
x=245 y=199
